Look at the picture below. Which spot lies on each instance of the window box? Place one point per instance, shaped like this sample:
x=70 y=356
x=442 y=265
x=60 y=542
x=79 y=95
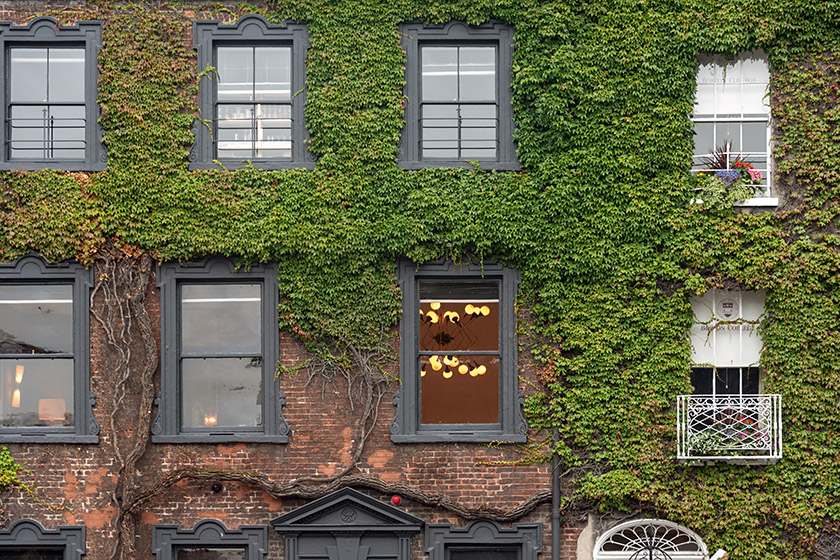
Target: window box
x=737 y=429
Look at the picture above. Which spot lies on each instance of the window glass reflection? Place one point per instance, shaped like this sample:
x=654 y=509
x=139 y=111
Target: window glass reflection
x=254 y=110
x=221 y=392
x=210 y=553
x=36 y=319
x=36 y=392
x=47 y=114
x=221 y=318
x=31 y=554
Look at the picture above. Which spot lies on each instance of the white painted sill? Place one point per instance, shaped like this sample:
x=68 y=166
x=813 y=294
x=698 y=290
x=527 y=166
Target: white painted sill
x=757 y=202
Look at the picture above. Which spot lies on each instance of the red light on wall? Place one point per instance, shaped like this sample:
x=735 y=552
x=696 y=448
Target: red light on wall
x=396 y=500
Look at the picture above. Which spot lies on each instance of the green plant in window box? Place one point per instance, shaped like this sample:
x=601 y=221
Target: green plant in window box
x=726 y=182
x=742 y=436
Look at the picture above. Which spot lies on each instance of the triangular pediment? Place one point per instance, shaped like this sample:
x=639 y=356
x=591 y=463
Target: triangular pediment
x=347 y=510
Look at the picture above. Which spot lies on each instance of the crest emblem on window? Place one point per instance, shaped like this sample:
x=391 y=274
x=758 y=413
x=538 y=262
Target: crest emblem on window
x=728 y=309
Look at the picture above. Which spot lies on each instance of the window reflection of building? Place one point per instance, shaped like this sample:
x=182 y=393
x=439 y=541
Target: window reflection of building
x=36 y=355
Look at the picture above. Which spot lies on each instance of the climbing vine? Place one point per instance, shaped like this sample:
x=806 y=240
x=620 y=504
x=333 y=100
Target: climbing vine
x=599 y=221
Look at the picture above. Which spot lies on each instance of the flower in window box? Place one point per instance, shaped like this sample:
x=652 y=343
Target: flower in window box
x=727 y=181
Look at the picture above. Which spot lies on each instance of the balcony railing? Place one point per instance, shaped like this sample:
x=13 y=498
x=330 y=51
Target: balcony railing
x=729 y=428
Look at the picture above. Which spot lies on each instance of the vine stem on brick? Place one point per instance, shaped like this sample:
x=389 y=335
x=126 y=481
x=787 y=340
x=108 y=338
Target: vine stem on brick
x=296 y=489
x=118 y=306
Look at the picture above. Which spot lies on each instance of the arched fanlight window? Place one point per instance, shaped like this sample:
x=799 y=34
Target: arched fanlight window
x=649 y=539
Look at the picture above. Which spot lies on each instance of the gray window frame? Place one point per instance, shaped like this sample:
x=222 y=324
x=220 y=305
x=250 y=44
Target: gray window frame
x=166 y=427
x=28 y=533
x=209 y=533
x=416 y=35
x=32 y=269
x=406 y=426
x=250 y=30
x=46 y=32
x=526 y=538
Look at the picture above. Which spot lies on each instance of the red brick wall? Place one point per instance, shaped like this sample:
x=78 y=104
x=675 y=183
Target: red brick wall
x=78 y=481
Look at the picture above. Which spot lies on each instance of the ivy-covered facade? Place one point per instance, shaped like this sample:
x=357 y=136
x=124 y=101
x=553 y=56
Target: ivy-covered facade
x=247 y=205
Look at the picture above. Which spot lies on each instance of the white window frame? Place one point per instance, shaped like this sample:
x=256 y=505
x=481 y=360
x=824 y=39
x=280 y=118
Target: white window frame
x=728 y=72
x=709 y=332
x=650 y=538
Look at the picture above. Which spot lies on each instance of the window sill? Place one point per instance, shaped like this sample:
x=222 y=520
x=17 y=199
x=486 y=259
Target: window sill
x=759 y=202
x=7 y=438
x=66 y=165
x=221 y=438
x=466 y=164
x=457 y=437
x=756 y=461
x=232 y=165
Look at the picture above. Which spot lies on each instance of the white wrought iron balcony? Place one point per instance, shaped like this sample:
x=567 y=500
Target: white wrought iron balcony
x=741 y=429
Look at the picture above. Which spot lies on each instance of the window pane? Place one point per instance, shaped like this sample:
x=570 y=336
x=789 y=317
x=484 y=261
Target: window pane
x=29 y=132
x=45 y=132
x=67 y=131
x=484 y=554
x=477 y=73
x=28 y=75
x=701 y=380
x=210 y=554
x=478 y=131
x=727 y=381
x=704 y=139
x=704 y=102
x=459 y=389
x=36 y=319
x=36 y=392
x=439 y=73
x=440 y=131
x=235 y=131
x=753 y=99
x=31 y=554
x=221 y=318
x=67 y=75
x=273 y=73
x=459 y=316
x=236 y=73
x=728 y=99
x=221 y=392
x=729 y=132
x=755 y=136
x=274 y=131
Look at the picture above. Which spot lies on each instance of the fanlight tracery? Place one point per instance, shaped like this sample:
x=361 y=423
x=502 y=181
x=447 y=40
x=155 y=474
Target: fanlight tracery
x=649 y=539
